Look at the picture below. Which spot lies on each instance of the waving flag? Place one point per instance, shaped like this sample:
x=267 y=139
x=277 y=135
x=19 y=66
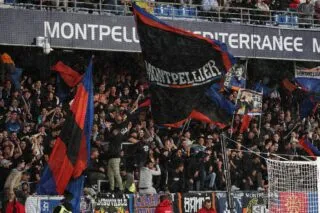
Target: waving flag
x=70 y=76
x=308 y=147
x=71 y=151
x=180 y=67
x=288 y=85
x=219 y=100
x=67 y=78
x=309 y=80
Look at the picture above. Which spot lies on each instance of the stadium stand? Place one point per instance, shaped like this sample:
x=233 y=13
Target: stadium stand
x=33 y=110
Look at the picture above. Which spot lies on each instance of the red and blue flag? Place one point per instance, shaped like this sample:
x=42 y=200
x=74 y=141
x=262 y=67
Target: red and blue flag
x=308 y=147
x=71 y=152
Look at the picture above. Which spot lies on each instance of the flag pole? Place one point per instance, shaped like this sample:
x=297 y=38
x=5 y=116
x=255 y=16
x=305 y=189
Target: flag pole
x=232 y=121
x=227 y=173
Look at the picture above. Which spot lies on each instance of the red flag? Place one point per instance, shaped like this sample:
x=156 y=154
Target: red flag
x=307 y=148
x=288 y=85
x=293 y=202
x=146 y=103
x=70 y=76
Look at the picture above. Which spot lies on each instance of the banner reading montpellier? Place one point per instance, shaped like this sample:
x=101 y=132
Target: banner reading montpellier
x=180 y=66
x=249 y=102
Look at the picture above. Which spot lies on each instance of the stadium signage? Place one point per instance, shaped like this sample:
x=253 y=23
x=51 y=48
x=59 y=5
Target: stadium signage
x=118 y=33
x=87 y=32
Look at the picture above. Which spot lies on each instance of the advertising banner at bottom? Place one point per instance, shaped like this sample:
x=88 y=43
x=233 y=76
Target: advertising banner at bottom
x=114 y=203
x=46 y=204
x=244 y=202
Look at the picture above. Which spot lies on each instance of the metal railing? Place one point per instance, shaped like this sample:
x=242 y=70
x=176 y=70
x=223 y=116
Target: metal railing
x=192 y=12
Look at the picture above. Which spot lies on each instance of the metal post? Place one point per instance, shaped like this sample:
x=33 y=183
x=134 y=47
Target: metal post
x=227 y=173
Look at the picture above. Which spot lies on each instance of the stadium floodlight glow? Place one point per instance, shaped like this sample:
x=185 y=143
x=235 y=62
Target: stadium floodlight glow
x=44 y=43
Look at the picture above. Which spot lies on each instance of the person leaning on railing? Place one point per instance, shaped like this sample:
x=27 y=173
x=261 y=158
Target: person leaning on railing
x=262 y=12
x=317 y=12
x=305 y=14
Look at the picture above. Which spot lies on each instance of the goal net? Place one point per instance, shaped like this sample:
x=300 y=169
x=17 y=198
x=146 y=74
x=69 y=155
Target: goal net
x=293 y=186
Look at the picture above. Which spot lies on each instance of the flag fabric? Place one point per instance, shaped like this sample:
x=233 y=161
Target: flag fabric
x=260 y=87
x=9 y=68
x=67 y=78
x=307 y=106
x=293 y=202
x=288 y=85
x=70 y=76
x=62 y=89
x=245 y=122
x=220 y=100
x=145 y=103
x=308 y=147
x=71 y=151
x=16 y=77
x=6 y=59
x=180 y=67
x=309 y=80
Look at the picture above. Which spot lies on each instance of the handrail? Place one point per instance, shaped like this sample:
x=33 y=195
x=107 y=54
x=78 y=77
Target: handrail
x=178 y=11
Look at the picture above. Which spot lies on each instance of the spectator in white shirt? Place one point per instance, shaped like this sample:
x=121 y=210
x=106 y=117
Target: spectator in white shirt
x=145 y=180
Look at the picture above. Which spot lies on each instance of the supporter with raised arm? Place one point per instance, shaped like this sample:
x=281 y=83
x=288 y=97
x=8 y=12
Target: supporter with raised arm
x=145 y=180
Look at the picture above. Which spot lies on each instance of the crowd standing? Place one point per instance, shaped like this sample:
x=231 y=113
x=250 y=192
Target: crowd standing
x=132 y=153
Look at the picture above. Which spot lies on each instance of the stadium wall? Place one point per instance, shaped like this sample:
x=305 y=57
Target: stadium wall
x=118 y=33
x=245 y=202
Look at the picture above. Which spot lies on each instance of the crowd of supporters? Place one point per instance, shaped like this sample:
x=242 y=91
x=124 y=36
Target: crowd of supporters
x=129 y=151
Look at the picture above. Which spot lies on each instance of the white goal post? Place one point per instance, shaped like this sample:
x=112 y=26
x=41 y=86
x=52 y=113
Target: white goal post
x=294 y=186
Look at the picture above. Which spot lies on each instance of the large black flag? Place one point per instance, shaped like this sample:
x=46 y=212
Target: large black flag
x=180 y=66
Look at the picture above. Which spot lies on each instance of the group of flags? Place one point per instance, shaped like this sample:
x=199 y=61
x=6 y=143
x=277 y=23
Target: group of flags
x=187 y=73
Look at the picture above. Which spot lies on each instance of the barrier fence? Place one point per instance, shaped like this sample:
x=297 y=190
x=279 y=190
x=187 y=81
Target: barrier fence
x=245 y=202
x=288 y=18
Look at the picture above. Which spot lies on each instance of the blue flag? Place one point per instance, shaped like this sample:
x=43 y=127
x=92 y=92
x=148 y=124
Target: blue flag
x=219 y=100
x=15 y=78
x=309 y=80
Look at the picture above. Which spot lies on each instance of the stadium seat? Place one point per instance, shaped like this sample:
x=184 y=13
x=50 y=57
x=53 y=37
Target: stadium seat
x=283 y=19
x=9 y=1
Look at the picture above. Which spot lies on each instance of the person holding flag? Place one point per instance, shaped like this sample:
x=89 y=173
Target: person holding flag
x=71 y=151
